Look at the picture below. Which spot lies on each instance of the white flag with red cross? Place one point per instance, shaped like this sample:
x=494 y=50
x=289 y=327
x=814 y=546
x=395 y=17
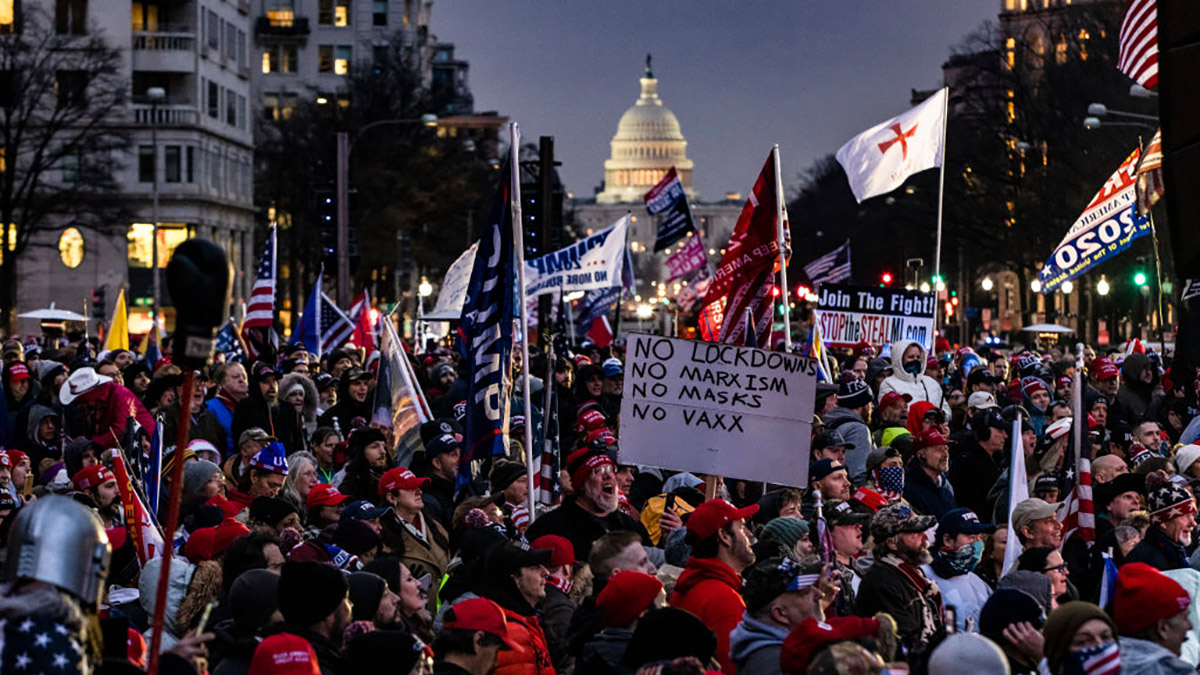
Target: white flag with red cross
x=881 y=158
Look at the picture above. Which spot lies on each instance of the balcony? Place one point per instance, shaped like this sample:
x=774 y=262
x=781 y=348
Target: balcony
x=170 y=50
x=293 y=27
x=166 y=115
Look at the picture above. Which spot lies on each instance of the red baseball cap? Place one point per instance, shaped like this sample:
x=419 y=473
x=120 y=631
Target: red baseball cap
x=892 y=397
x=479 y=614
x=401 y=479
x=18 y=372
x=15 y=457
x=928 y=439
x=90 y=476
x=225 y=533
x=1103 y=370
x=324 y=494
x=626 y=596
x=561 y=548
x=284 y=654
x=807 y=638
x=590 y=420
x=869 y=498
x=199 y=545
x=713 y=514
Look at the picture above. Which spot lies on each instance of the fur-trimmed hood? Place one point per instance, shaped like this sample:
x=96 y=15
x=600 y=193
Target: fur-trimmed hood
x=311 y=397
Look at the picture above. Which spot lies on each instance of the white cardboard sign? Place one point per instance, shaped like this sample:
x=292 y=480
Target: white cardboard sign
x=717 y=409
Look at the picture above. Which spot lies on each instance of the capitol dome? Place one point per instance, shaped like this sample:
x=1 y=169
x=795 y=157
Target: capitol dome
x=647 y=144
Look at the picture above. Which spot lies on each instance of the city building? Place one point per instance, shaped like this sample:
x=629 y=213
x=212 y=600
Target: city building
x=649 y=141
x=187 y=64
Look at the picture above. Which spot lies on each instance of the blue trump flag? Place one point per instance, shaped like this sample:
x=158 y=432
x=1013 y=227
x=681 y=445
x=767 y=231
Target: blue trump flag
x=308 y=333
x=487 y=334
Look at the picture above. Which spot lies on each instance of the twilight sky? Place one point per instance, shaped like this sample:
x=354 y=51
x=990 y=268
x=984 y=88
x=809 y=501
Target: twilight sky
x=739 y=75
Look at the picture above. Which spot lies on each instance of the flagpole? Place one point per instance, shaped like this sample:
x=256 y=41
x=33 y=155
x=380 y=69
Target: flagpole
x=514 y=165
x=937 y=254
x=787 y=309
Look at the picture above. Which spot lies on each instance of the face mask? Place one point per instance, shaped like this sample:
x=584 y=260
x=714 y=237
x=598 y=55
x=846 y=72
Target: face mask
x=891 y=479
x=1093 y=660
x=912 y=367
x=965 y=558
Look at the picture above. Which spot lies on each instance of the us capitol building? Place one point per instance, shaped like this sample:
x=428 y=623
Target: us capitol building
x=647 y=144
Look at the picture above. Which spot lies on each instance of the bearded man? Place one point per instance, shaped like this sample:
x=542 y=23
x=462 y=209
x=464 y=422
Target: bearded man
x=590 y=511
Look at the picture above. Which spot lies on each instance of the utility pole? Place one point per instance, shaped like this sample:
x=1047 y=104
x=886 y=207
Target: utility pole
x=343 y=219
x=546 y=166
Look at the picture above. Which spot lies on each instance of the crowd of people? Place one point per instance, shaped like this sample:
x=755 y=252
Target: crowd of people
x=304 y=548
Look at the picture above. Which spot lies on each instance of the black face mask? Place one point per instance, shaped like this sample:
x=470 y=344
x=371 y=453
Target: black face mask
x=912 y=367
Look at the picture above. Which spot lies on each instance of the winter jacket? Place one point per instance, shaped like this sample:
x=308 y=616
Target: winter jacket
x=533 y=658
x=924 y=495
x=204 y=425
x=908 y=595
x=329 y=656
x=556 y=611
x=308 y=412
x=439 y=500
x=430 y=555
x=344 y=413
x=1142 y=657
x=1133 y=398
x=1158 y=551
x=602 y=656
x=754 y=646
x=965 y=592
x=37 y=450
x=712 y=591
x=1189 y=578
x=105 y=411
x=856 y=433
x=582 y=528
x=256 y=411
x=973 y=472
x=921 y=387
x=224 y=416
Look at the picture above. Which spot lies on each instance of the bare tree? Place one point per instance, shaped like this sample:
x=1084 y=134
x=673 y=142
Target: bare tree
x=63 y=95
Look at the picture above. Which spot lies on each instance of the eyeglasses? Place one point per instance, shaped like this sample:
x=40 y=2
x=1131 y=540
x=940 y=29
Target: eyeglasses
x=1056 y=568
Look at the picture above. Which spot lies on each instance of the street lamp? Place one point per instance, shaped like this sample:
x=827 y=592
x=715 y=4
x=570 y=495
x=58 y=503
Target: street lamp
x=1067 y=287
x=1102 y=286
x=424 y=290
x=345 y=146
x=986 y=284
x=1035 y=286
x=1097 y=111
x=156 y=95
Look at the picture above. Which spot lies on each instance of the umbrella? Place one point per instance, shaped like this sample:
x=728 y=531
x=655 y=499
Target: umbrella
x=1047 y=328
x=53 y=314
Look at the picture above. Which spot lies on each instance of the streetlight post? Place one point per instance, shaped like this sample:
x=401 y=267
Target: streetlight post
x=345 y=147
x=424 y=290
x=156 y=95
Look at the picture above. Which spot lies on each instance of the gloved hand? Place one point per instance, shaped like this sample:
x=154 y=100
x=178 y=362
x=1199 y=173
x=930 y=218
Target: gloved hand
x=198 y=277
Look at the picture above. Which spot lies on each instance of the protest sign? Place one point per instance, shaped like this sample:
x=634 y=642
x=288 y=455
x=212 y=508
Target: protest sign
x=668 y=201
x=717 y=409
x=454 y=288
x=590 y=263
x=849 y=315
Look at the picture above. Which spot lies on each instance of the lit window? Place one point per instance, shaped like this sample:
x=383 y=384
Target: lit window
x=70 y=247
x=333 y=12
x=266 y=61
x=1010 y=52
x=7 y=16
x=282 y=17
x=341 y=60
x=140 y=239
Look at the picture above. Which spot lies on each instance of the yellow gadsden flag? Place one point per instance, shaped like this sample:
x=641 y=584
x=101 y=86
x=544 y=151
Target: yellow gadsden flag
x=118 y=328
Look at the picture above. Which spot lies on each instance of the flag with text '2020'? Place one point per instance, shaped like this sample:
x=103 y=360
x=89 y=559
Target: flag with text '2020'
x=1107 y=226
x=487 y=333
x=747 y=268
x=881 y=158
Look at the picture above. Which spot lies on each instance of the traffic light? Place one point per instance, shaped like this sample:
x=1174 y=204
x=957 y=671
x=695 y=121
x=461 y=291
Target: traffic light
x=99 y=302
x=802 y=291
x=886 y=278
x=774 y=291
x=1139 y=278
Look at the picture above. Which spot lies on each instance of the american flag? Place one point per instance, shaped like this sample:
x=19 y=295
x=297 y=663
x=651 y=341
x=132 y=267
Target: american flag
x=1138 y=43
x=1076 y=483
x=229 y=344
x=335 y=327
x=1150 y=187
x=258 y=328
x=364 y=333
x=831 y=268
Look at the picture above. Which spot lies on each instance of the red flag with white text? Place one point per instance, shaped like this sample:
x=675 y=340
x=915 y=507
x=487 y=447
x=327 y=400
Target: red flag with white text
x=147 y=539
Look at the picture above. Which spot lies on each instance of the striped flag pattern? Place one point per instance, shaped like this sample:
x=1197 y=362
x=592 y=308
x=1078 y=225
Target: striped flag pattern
x=258 y=328
x=1080 y=518
x=1150 y=186
x=1138 y=43
x=831 y=268
x=335 y=326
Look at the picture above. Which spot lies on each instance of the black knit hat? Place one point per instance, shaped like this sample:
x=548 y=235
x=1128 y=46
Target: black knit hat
x=270 y=510
x=504 y=473
x=253 y=598
x=309 y=592
x=366 y=592
x=383 y=651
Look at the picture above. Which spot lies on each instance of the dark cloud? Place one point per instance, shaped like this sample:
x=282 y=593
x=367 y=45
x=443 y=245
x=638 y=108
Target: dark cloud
x=807 y=74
